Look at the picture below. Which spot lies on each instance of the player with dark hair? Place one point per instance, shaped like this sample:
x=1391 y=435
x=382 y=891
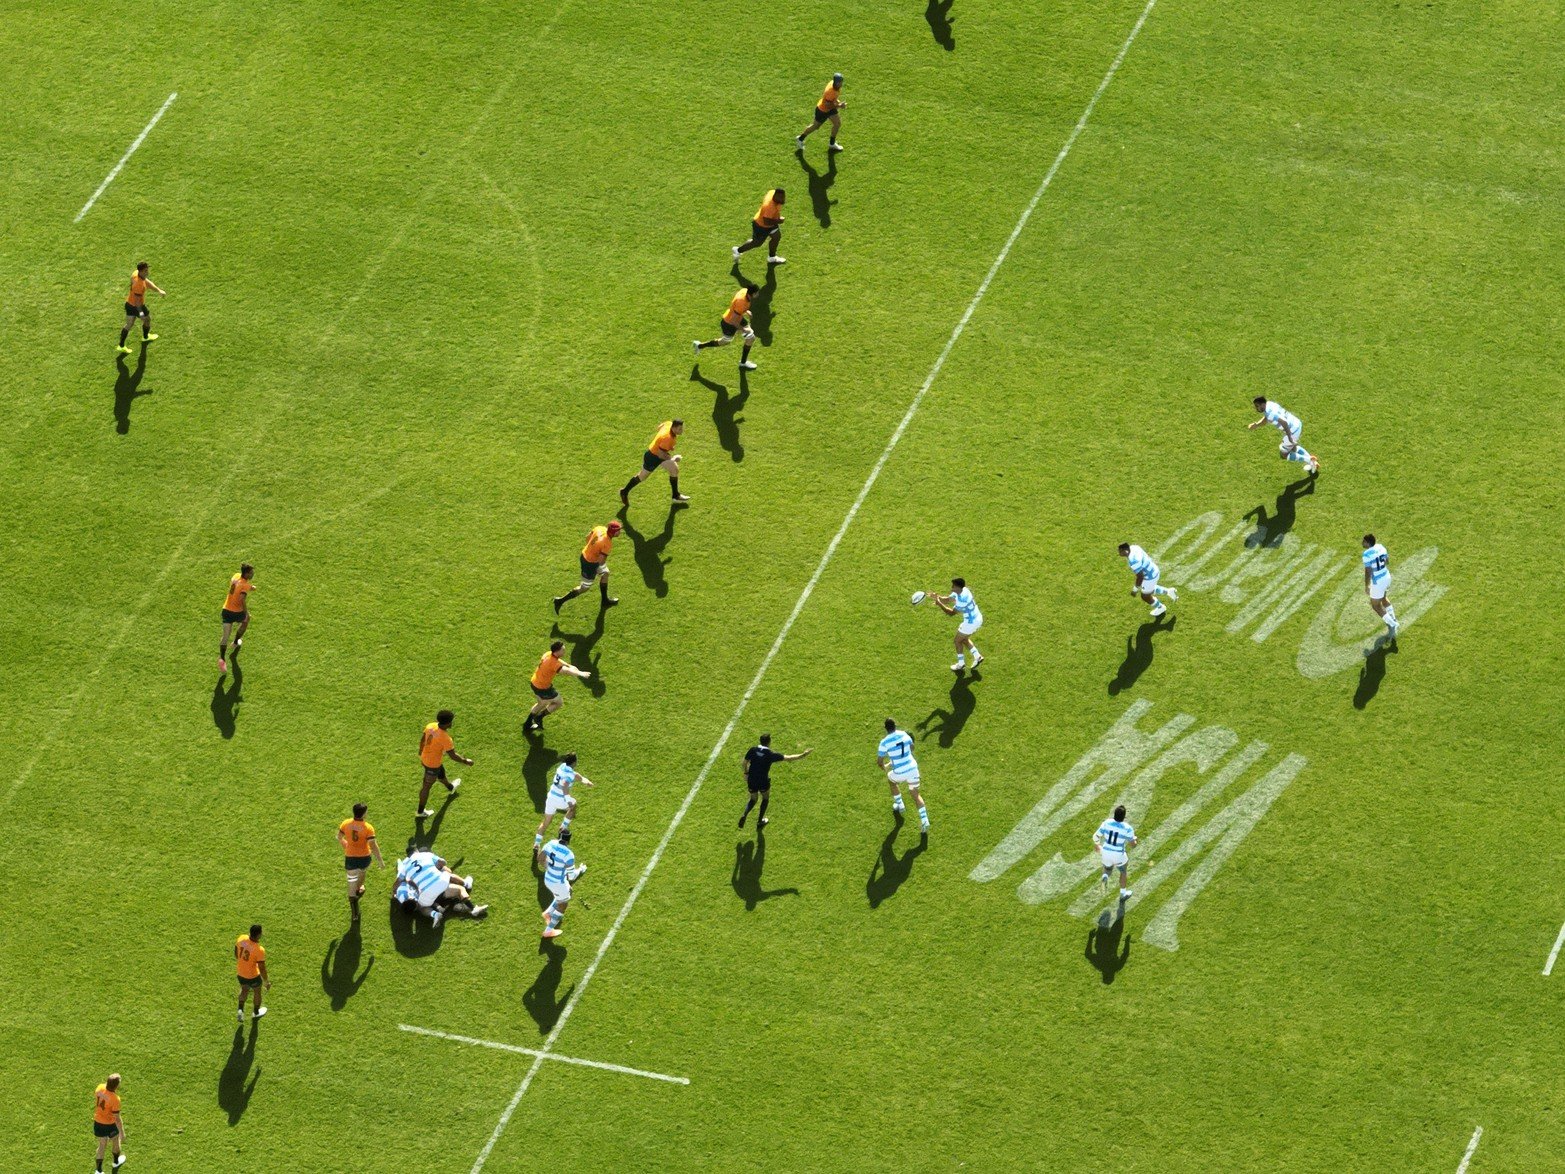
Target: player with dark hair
x=236 y=611
x=136 y=306
x=659 y=455
x=766 y=226
x=736 y=320
x=434 y=746
x=758 y=776
x=826 y=110
x=550 y=664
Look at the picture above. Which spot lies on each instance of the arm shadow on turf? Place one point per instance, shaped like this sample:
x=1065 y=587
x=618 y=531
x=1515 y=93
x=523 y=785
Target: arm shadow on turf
x=340 y=978
x=948 y=723
x=127 y=389
x=584 y=654
x=1269 y=530
x=1373 y=672
x=749 y=862
x=649 y=551
x=938 y=14
x=236 y=1085
x=538 y=771
x=820 y=184
x=225 y=702
x=1108 y=945
x=725 y=411
x=1138 y=654
x=543 y=999
x=890 y=870
x=761 y=314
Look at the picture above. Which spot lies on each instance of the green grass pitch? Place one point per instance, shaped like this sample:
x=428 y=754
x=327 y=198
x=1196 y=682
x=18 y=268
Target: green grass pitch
x=433 y=271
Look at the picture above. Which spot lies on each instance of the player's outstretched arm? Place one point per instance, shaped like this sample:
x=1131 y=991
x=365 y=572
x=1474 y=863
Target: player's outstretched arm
x=796 y=757
x=583 y=779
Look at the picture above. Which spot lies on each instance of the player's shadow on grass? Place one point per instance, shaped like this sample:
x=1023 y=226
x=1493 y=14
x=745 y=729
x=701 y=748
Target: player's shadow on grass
x=538 y=771
x=1373 y=672
x=649 y=551
x=890 y=870
x=1269 y=531
x=339 y=969
x=543 y=999
x=749 y=862
x=225 y=703
x=1138 y=654
x=233 y=1092
x=415 y=936
x=725 y=412
x=938 y=14
x=583 y=654
x=948 y=723
x=426 y=830
x=820 y=184
x=1108 y=945
x=127 y=389
x=761 y=304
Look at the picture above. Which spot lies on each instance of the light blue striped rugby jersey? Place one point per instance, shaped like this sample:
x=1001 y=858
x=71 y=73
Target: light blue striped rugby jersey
x=558 y=859
x=564 y=776
x=423 y=875
x=964 y=602
x=898 y=747
x=1377 y=563
x=1115 y=836
x=1141 y=563
x=1282 y=419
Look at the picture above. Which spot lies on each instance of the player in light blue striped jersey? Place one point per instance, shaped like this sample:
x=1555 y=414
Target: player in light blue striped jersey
x=961 y=602
x=1146 y=586
x=1113 y=839
x=1289 y=425
x=560 y=872
x=895 y=757
x=560 y=798
x=1377 y=583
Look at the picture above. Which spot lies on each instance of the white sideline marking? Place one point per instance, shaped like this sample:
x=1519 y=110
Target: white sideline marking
x=125 y=158
x=489 y=1043
x=809 y=589
x=1472 y=1147
x=1554 y=953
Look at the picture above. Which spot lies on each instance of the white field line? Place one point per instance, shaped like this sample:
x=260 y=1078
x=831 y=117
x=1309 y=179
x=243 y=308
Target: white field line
x=125 y=158
x=1554 y=954
x=1472 y=1148
x=804 y=597
x=495 y=1044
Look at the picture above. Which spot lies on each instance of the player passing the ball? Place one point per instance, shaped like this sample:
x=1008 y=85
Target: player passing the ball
x=1146 y=572
x=136 y=306
x=961 y=603
x=735 y=321
x=895 y=757
x=435 y=745
x=1113 y=839
x=236 y=613
x=828 y=109
x=550 y=665
x=594 y=566
x=660 y=455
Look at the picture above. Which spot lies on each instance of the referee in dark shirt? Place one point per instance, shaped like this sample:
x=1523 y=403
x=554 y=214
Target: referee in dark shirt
x=758 y=775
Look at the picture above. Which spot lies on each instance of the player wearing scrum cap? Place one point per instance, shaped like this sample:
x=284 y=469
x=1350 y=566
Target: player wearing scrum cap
x=826 y=110
x=594 y=566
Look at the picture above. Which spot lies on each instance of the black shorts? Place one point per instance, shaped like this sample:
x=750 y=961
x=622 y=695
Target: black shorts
x=548 y=694
x=759 y=233
x=251 y=984
x=352 y=862
x=757 y=787
x=234 y=617
x=650 y=461
x=821 y=115
x=435 y=774
x=728 y=330
x=99 y=1129
x=590 y=570
x=136 y=311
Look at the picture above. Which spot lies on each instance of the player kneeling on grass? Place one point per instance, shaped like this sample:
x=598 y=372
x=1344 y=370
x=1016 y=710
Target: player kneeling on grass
x=1146 y=572
x=736 y=320
x=895 y=757
x=1112 y=839
x=594 y=566
x=426 y=884
x=560 y=799
x=560 y=872
x=961 y=601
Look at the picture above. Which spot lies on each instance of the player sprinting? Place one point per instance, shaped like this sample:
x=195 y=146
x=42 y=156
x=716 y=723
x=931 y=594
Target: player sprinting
x=827 y=109
x=560 y=799
x=107 y=1124
x=136 y=306
x=758 y=776
x=236 y=613
x=1113 y=840
x=250 y=961
x=560 y=872
x=435 y=745
x=961 y=602
x=1288 y=424
x=766 y=226
x=1146 y=572
x=357 y=837
x=594 y=566
x=550 y=665
x=895 y=756
x=660 y=455
x=735 y=320
x=1377 y=583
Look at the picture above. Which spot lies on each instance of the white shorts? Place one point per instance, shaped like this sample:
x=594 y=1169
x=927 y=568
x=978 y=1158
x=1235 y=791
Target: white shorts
x=1378 y=590
x=1147 y=585
x=968 y=629
x=1288 y=445
x=553 y=805
x=560 y=889
x=1113 y=858
x=909 y=780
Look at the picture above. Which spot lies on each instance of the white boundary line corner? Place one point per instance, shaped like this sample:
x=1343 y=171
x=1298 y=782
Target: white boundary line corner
x=125 y=158
x=538 y=1055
